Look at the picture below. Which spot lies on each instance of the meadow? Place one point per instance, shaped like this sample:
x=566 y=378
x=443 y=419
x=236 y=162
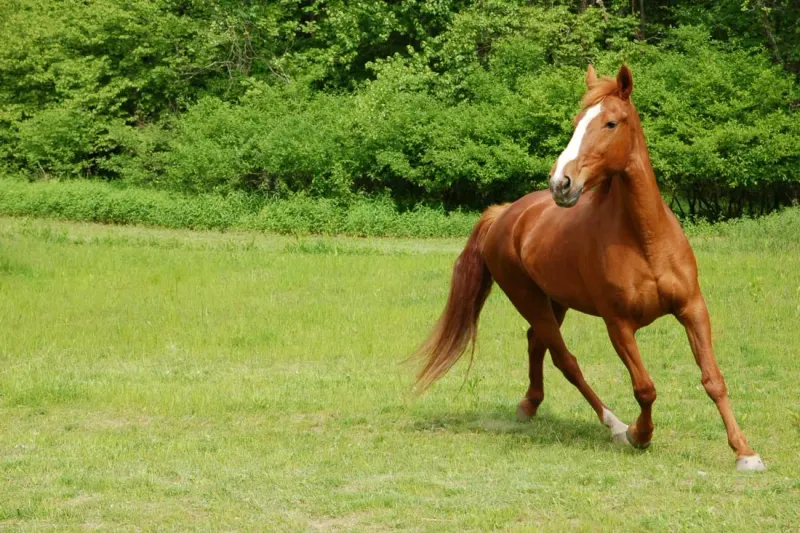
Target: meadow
x=176 y=379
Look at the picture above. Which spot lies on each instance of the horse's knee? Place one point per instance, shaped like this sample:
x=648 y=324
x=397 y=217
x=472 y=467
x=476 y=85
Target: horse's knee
x=531 y=337
x=715 y=387
x=645 y=393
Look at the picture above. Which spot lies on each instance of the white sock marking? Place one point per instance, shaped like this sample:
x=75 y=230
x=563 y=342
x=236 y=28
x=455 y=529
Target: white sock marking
x=751 y=463
x=574 y=146
x=617 y=427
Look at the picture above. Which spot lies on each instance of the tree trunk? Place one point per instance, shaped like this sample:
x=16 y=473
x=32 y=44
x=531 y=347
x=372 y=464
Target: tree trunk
x=766 y=23
x=641 y=19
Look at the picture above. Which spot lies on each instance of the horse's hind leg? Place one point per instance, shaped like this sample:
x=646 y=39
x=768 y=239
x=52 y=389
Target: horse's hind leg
x=536 y=307
x=568 y=364
x=536 y=351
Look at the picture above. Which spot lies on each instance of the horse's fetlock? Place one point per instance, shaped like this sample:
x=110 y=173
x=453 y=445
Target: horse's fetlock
x=536 y=397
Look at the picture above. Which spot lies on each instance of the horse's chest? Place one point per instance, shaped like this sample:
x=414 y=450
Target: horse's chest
x=636 y=293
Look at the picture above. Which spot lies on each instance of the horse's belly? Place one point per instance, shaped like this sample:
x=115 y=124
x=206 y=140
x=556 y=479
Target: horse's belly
x=578 y=304
x=631 y=292
x=563 y=284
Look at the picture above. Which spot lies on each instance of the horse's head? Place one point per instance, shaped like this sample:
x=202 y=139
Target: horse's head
x=601 y=144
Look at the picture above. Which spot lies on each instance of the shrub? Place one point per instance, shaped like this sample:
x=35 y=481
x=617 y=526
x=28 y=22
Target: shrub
x=453 y=103
x=91 y=201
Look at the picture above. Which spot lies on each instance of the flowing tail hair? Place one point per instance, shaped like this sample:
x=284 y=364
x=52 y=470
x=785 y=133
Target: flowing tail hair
x=457 y=327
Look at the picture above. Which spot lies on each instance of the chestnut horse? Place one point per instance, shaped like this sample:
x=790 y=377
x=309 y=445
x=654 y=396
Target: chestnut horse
x=619 y=254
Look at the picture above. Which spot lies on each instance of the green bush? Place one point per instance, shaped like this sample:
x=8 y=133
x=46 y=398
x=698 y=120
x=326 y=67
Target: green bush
x=58 y=141
x=726 y=136
x=91 y=201
x=453 y=103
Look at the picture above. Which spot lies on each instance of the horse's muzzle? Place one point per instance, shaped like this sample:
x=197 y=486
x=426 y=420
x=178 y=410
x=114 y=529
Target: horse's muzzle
x=567 y=201
x=565 y=197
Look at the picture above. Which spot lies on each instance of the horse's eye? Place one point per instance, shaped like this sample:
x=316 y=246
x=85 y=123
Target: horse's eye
x=611 y=125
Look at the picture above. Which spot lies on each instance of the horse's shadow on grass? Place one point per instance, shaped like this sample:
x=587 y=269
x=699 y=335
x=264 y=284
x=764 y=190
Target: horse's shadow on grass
x=544 y=429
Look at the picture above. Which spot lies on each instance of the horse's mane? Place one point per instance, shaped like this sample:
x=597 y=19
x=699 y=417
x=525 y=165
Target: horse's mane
x=603 y=87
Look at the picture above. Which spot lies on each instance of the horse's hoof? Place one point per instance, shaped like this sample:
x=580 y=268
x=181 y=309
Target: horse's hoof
x=750 y=463
x=525 y=410
x=633 y=442
x=621 y=437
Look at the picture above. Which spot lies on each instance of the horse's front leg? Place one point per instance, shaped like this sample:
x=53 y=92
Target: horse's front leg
x=694 y=317
x=622 y=337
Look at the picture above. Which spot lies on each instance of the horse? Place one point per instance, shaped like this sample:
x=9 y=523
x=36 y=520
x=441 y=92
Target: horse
x=601 y=241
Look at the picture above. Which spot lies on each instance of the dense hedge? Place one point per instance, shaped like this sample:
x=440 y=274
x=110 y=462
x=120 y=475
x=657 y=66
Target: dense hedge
x=453 y=103
x=91 y=201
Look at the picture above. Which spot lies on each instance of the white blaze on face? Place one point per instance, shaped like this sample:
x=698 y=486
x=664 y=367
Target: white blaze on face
x=574 y=146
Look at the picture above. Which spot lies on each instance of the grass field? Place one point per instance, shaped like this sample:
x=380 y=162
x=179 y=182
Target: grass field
x=157 y=379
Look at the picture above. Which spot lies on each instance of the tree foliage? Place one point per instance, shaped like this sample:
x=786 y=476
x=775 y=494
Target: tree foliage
x=444 y=102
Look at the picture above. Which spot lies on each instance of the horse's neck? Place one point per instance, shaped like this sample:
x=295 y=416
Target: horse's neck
x=637 y=193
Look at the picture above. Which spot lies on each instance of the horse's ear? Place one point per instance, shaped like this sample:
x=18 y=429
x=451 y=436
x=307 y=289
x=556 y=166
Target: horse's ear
x=625 y=82
x=591 y=76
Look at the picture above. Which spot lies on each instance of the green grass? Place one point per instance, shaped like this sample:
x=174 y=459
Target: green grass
x=169 y=379
x=98 y=201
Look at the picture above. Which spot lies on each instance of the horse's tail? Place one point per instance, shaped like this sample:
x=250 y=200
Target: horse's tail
x=458 y=325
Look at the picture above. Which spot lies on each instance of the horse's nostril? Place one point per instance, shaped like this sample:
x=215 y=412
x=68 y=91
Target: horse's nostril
x=567 y=183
